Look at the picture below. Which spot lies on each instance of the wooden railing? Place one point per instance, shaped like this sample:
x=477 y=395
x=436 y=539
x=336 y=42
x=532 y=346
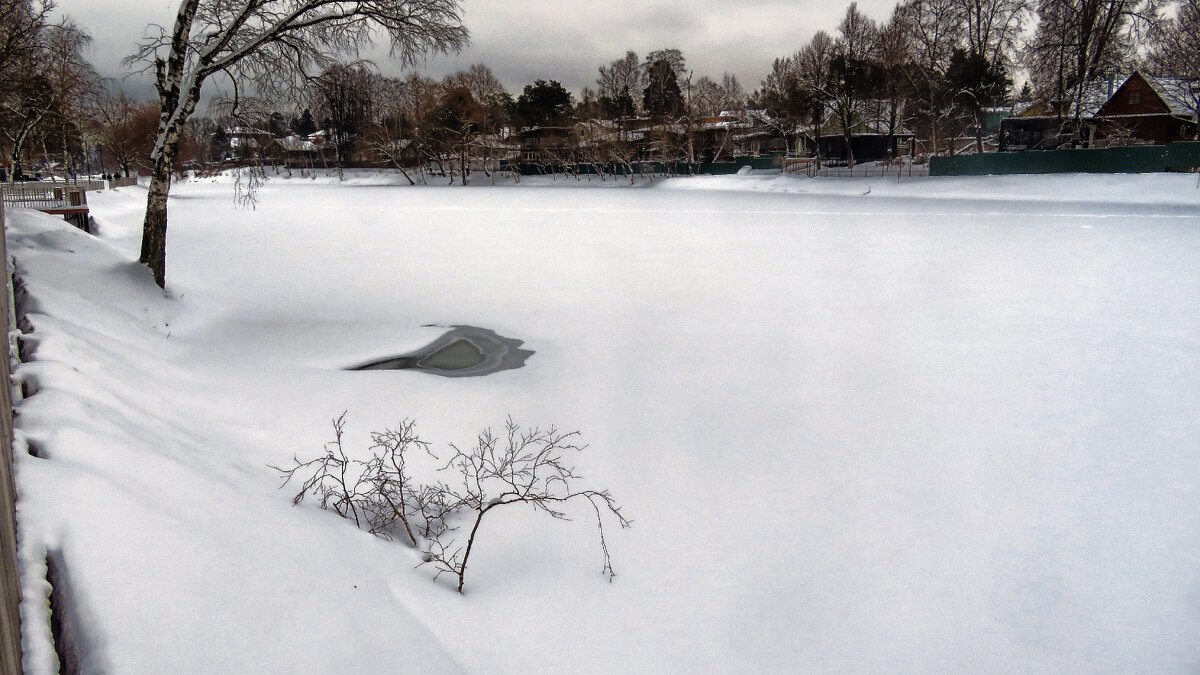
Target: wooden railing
x=50 y=197
x=62 y=199
x=86 y=184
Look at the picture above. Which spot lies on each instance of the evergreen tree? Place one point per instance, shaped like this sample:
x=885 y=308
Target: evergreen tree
x=543 y=103
x=976 y=83
x=662 y=97
x=304 y=125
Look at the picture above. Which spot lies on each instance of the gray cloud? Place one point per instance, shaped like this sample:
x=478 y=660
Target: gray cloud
x=565 y=40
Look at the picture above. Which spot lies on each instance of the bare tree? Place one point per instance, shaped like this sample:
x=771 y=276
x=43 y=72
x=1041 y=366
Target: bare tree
x=399 y=133
x=21 y=22
x=706 y=97
x=732 y=95
x=894 y=54
x=672 y=56
x=1076 y=41
x=267 y=42
x=126 y=129
x=345 y=96
x=454 y=128
x=521 y=467
x=813 y=71
x=334 y=478
x=620 y=86
x=477 y=79
x=851 y=70
x=49 y=90
x=786 y=100
x=493 y=104
x=993 y=27
x=1175 y=52
x=937 y=29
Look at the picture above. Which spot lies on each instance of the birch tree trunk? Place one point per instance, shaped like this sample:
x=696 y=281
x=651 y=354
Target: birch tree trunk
x=154 y=227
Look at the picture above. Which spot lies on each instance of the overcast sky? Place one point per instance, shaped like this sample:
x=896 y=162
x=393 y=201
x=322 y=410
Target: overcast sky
x=564 y=40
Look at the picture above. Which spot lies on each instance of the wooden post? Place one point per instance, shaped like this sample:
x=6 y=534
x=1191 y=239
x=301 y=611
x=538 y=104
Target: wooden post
x=10 y=577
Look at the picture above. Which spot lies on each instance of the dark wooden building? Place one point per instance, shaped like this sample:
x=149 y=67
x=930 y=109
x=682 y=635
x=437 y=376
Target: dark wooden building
x=546 y=146
x=867 y=147
x=1149 y=109
x=1141 y=110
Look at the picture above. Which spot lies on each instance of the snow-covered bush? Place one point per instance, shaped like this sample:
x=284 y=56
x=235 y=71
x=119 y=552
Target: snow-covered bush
x=378 y=494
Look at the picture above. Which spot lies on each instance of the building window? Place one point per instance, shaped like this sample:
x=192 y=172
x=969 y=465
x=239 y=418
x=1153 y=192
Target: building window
x=1135 y=97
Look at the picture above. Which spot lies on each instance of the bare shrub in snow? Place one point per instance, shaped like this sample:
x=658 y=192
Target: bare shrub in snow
x=522 y=467
x=335 y=479
x=379 y=495
x=393 y=496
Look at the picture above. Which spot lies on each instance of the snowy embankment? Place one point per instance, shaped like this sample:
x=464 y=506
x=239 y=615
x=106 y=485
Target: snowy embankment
x=946 y=425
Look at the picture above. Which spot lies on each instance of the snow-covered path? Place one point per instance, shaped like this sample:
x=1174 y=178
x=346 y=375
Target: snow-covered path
x=947 y=425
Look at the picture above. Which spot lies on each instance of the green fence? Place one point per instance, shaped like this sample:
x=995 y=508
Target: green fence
x=1136 y=159
x=773 y=161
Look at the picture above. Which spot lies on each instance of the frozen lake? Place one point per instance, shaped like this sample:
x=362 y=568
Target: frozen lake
x=940 y=425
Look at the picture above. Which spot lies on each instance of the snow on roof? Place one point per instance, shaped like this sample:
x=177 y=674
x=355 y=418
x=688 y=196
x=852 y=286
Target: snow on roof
x=1095 y=94
x=1179 y=95
x=247 y=131
x=724 y=122
x=240 y=142
x=1020 y=107
x=296 y=144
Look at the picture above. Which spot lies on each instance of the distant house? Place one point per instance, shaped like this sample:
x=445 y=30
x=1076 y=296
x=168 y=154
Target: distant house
x=545 y=146
x=754 y=133
x=247 y=142
x=868 y=145
x=1153 y=110
x=1046 y=124
x=1142 y=110
x=871 y=137
x=721 y=138
x=299 y=150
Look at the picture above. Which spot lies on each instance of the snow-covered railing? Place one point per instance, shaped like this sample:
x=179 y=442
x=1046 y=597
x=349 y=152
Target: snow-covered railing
x=34 y=196
x=86 y=184
x=64 y=200
x=81 y=183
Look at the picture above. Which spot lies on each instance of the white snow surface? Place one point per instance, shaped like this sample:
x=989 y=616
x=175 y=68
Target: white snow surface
x=935 y=425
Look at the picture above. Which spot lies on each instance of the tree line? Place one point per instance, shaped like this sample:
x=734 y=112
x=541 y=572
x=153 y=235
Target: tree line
x=933 y=67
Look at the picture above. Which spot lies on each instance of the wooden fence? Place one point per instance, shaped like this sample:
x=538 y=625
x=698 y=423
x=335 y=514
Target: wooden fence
x=10 y=589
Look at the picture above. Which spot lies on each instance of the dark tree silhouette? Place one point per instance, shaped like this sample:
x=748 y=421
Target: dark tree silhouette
x=543 y=104
x=662 y=97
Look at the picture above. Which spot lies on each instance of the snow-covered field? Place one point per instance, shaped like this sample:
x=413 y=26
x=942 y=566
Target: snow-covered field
x=941 y=425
